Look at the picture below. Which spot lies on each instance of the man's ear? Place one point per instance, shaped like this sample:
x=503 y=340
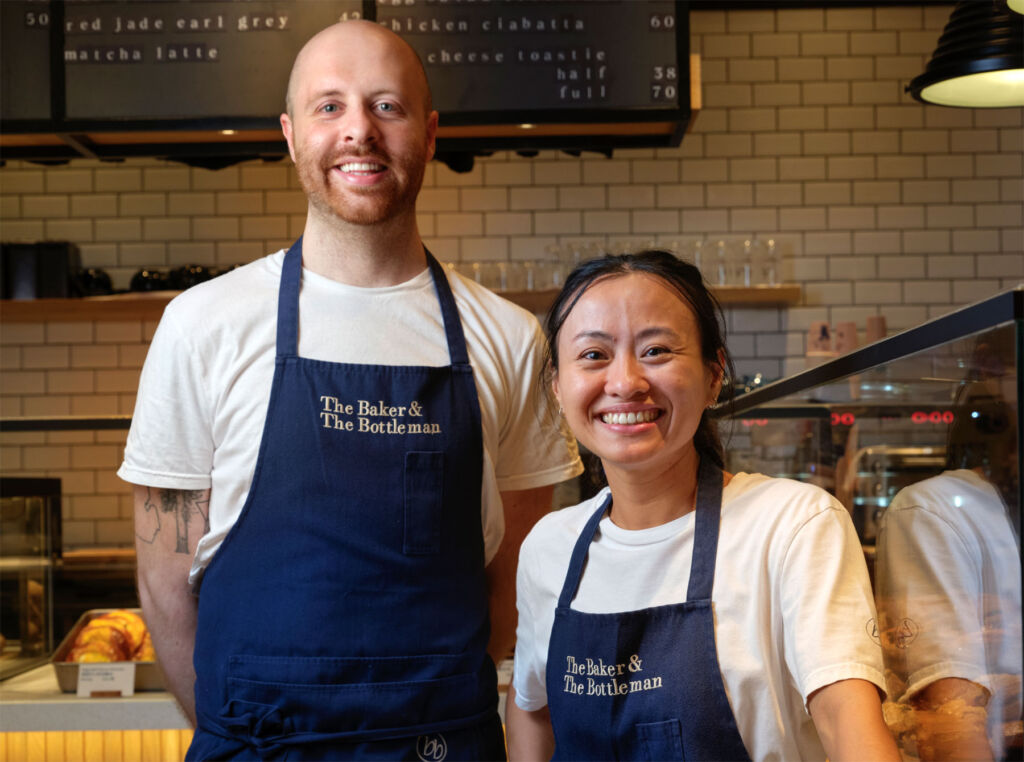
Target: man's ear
x=286 y=128
x=431 y=135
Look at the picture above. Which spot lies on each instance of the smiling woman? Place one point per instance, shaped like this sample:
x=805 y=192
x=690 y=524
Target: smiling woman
x=634 y=383
x=732 y=606
x=655 y=305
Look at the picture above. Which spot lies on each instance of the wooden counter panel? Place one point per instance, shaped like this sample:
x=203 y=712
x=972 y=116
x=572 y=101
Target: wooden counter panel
x=95 y=746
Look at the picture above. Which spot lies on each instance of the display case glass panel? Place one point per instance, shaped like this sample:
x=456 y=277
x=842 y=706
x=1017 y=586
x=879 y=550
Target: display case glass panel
x=29 y=545
x=919 y=436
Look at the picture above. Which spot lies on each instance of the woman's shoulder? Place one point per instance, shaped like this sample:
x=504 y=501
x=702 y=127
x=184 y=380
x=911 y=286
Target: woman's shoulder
x=774 y=496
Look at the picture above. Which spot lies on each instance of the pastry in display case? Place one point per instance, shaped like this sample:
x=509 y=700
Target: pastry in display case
x=29 y=546
x=919 y=436
x=108 y=636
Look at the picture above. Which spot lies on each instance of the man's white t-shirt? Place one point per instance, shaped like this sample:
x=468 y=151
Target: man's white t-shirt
x=792 y=600
x=205 y=385
x=948 y=574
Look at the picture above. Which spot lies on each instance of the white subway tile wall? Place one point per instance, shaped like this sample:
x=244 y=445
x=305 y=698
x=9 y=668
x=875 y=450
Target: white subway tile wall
x=880 y=205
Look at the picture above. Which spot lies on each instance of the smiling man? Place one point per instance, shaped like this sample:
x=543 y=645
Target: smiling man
x=337 y=450
x=371 y=174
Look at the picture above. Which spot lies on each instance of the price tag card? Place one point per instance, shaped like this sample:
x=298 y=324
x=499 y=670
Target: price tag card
x=105 y=680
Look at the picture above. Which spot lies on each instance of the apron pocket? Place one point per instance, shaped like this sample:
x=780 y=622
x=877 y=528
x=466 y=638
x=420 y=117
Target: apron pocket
x=660 y=740
x=424 y=494
x=351 y=698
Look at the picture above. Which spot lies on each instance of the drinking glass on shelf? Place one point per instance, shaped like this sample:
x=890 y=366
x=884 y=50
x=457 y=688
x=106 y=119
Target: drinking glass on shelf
x=581 y=251
x=756 y=258
x=671 y=245
x=470 y=269
x=744 y=265
x=487 y=274
x=693 y=252
x=770 y=263
x=569 y=255
x=514 y=275
x=529 y=270
x=558 y=262
x=547 y=274
x=501 y=276
x=622 y=247
x=735 y=258
x=720 y=271
x=593 y=250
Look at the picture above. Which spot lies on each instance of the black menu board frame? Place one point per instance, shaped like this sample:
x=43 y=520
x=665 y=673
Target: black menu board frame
x=573 y=74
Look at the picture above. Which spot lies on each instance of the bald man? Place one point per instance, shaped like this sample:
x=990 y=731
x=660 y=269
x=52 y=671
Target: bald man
x=337 y=450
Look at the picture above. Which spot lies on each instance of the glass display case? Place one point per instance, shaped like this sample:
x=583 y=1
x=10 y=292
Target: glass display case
x=919 y=436
x=30 y=522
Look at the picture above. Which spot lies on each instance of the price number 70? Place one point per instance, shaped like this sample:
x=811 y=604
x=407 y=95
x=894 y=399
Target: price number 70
x=664 y=83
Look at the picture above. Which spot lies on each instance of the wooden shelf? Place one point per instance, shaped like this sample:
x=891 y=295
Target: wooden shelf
x=786 y=293
x=119 y=307
x=150 y=306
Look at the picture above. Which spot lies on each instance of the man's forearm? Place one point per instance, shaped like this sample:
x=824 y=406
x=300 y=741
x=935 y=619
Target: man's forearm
x=172 y=624
x=522 y=510
x=168 y=525
x=530 y=737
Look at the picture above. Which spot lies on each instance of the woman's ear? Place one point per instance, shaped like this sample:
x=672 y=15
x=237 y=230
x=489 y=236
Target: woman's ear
x=554 y=387
x=717 y=377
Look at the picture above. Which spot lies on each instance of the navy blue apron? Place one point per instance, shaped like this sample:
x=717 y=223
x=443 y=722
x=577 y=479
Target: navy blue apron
x=644 y=684
x=345 y=614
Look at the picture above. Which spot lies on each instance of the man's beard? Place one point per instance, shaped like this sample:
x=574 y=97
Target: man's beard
x=353 y=204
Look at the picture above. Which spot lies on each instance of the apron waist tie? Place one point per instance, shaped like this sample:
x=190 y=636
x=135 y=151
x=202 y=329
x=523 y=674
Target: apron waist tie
x=268 y=730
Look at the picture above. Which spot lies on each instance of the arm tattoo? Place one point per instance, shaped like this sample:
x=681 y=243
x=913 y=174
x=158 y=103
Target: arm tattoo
x=186 y=506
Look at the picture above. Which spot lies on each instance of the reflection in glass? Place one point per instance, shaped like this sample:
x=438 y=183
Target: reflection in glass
x=948 y=585
x=922 y=449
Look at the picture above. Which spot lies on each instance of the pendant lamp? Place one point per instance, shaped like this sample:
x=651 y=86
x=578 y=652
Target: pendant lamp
x=979 y=61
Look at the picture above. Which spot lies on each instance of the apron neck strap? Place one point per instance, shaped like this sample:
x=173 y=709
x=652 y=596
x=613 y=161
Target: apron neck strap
x=579 y=555
x=705 y=530
x=288 y=307
x=705 y=538
x=449 y=313
x=288 y=302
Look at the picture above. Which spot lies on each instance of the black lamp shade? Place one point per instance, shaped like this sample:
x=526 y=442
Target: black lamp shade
x=983 y=40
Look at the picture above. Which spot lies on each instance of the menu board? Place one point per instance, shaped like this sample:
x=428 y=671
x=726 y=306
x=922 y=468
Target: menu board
x=523 y=56
x=84 y=62
x=25 y=92
x=181 y=60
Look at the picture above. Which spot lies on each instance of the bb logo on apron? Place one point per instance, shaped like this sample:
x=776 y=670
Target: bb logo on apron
x=431 y=748
x=643 y=684
x=345 y=614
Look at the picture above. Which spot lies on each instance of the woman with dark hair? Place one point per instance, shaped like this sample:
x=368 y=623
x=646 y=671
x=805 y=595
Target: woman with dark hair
x=682 y=612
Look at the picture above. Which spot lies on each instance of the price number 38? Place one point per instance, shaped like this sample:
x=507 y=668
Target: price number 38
x=664 y=83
